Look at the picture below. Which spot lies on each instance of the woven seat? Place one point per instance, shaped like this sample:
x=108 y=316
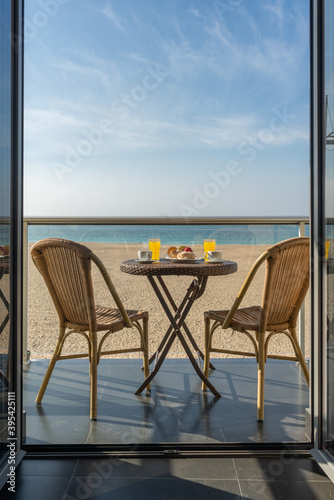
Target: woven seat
x=285 y=287
x=66 y=269
x=110 y=319
x=243 y=319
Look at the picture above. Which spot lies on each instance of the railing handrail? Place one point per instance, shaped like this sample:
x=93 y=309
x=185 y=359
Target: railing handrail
x=166 y=220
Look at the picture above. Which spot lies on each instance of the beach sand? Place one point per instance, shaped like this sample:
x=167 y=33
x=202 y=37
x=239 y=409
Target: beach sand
x=136 y=293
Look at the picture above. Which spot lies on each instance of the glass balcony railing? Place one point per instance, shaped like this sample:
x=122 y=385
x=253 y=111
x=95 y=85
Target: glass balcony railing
x=116 y=239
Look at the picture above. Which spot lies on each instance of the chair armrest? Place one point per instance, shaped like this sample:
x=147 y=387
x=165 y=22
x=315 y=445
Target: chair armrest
x=112 y=290
x=244 y=288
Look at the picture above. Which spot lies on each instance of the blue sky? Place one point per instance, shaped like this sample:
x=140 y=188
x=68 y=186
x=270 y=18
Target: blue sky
x=178 y=108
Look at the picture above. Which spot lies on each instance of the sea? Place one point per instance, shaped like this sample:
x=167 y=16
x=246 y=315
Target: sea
x=169 y=234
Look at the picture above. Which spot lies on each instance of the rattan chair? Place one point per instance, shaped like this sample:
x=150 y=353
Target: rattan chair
x=66 y=269
x=285 y=287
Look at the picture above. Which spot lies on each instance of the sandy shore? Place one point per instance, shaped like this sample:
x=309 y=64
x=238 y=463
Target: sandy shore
x=136 y=293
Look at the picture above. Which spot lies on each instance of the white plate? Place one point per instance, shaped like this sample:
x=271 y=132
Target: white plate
x=144 y=261
x=217 y=261
x=187 y=261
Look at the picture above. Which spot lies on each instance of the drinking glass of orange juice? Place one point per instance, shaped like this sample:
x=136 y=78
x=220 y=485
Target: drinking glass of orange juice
x=154 y=245
x=209 y=245
x=327 y=246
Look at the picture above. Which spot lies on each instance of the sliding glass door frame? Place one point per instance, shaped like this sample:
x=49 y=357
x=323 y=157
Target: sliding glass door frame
x=318 y=220
x=294 y=448
x=12 y=457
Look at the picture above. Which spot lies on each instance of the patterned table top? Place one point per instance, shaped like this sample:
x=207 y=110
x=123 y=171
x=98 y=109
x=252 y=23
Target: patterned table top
x=165 y=267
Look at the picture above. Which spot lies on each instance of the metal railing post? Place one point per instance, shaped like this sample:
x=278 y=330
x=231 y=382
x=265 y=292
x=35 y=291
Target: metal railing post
x=302 y=309
x=25 y=352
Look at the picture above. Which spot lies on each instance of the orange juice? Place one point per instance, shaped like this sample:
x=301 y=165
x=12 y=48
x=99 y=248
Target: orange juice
x=154 y=246
x=327 y=246
x=209 y=245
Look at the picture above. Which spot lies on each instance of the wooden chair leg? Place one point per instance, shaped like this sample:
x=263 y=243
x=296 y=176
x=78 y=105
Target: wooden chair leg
x=53 y=360
x=206 y=351
x=145 y=353
x=300 y=356
x=260 y=381
x=93 y=378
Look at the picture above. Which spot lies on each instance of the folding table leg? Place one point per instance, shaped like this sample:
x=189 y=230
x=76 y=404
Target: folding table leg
x=3 y=377
x=158 y=364
x=4 y=323
x=6 y=304
x=184 y=326
x=170 y=329
x=176 y=326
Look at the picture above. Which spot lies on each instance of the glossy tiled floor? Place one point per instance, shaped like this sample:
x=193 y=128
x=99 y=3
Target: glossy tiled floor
x=176 y=410
x=171 y=479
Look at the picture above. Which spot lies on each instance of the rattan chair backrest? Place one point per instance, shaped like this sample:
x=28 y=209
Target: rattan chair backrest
x=286 y=282
x=66 y=268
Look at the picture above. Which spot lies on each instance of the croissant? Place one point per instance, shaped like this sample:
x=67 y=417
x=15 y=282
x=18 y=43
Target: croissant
x=186 y=255
x=173 y=254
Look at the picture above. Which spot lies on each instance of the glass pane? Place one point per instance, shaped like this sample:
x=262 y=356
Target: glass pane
x=176 y=410
x=5 y=129
x=329 y=214
x=151 y=108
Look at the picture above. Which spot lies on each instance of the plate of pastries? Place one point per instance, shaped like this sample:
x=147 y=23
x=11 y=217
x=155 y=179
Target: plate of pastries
x=181 y=254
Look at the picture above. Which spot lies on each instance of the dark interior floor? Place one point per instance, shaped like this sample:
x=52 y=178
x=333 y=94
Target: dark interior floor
x=171 y=479
x=175 y=411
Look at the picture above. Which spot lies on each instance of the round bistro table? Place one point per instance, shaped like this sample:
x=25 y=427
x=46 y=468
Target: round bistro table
x=200 y=271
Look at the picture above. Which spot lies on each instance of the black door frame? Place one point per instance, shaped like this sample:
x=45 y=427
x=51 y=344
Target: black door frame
x=318 y=165
x=294 y=448
x=15 y=35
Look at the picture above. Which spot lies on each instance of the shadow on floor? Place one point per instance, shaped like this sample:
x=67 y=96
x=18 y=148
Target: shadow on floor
x=175 y=411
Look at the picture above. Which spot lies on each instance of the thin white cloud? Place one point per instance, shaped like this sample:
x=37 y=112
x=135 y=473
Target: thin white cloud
x=116 y=20
x=194 y=11
x=277 y=10
x=159 y=135
x=276 y=55
x=90 y=71
x=51 y=133
x=42 y=119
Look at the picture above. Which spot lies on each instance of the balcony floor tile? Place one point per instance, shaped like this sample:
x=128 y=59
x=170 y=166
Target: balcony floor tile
x=176 y=410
